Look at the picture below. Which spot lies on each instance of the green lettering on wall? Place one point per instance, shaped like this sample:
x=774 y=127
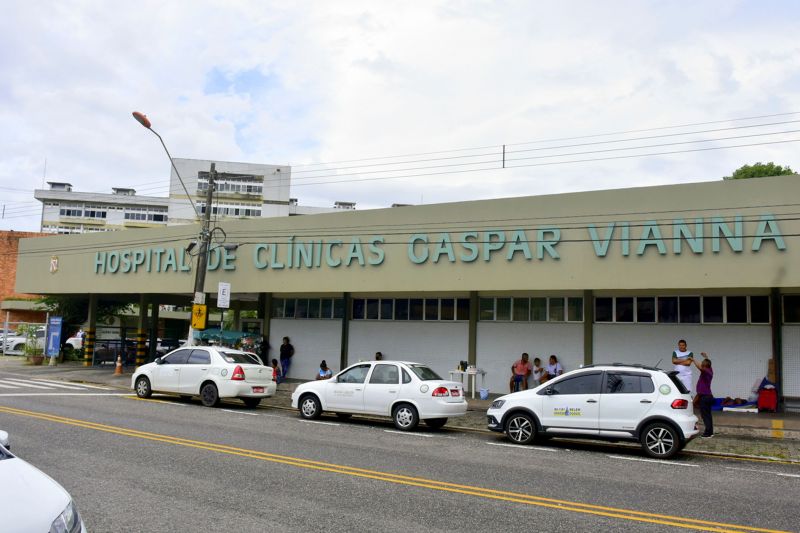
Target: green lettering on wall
x=329 y=259
x=775 y=235
x=260 y=263
x=100 y=263
x=289 y=243
x=734 y=238
x=680 y=231
x=355 y=252
x=228 y=259
x=184 y=265
x=138 y=259
x=651 y=236
x=543 y=243
x=170 y=261
x=125 y=260
x=471 y=247
x=274 y=263
x=412 y=252
x=377 y=254
x=519 y=243
x=443 y=246
x=213 y=261
x=626 y=238
x=601 y=248
x=303 y=253
x=157 y=252
x=113 y=262
x=490 y=245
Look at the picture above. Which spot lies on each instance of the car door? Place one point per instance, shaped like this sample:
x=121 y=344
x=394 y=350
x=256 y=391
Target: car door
x=167 y=375
x=382 y=389
x=572 y=404
x=346 y=392
x=626 y=399
x=195 y=371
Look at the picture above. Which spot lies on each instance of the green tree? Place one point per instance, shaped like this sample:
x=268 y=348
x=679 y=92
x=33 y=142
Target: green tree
x=75 y=311
x=759 y=170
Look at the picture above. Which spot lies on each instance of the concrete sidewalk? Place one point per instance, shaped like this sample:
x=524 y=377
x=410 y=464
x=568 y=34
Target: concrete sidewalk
x=758 y=434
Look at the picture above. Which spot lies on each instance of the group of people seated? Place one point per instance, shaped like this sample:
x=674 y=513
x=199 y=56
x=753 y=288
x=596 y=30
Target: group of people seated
x=526 y=376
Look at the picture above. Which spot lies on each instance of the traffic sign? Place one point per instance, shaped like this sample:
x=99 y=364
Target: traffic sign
x=223 y=295
x=199 y=316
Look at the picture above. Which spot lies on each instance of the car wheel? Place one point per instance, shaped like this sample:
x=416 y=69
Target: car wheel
x=405 y=417
x=343 y=416
x=310 y=408
x=435 y=423
x=252 y=403
x=660 y=440
x=143 y=389
x=520 y=428
x=209 y=395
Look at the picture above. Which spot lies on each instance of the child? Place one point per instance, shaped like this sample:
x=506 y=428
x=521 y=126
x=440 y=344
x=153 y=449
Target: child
x=324 y=371
x=276 y=374
x=705 y=395
x=538 y=373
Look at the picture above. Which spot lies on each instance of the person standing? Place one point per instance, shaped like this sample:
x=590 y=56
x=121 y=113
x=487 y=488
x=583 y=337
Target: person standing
x=706 y=398
x=682 y=358
x=520 y=371
x=287 y=351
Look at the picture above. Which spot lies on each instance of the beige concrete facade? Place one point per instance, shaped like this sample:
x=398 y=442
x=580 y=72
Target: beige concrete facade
x=642 y=240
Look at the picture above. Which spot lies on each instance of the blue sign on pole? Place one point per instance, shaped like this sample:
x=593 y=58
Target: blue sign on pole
x=54 y=336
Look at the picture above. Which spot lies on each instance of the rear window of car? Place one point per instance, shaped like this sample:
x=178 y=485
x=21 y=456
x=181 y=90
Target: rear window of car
x=673 y=377
x=238 y=358
x=424 y=373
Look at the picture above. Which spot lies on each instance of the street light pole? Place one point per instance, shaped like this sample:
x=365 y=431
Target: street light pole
x=205 y=234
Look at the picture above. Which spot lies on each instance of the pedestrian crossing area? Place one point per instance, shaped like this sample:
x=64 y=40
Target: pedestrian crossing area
x=11 y=385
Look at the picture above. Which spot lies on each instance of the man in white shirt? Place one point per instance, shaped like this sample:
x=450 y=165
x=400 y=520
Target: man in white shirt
x=682 y=358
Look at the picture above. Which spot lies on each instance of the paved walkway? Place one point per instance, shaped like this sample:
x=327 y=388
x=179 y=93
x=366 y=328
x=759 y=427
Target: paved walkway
x=757 y=434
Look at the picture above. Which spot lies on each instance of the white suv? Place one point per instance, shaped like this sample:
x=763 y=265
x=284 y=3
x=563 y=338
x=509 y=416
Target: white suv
x=610 y=402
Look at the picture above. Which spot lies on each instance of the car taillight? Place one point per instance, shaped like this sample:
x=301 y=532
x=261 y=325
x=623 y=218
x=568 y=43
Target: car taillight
x=238 y=374
x=438 y=392
x=680 y=404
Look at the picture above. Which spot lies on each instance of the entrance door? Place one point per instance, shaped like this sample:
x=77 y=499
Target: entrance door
x=572 y=404
x=346 y=392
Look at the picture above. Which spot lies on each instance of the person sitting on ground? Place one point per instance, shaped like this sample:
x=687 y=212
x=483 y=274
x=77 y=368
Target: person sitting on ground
x=554 y=368
x=538 y=373
x=324 y=371
x=520 y=371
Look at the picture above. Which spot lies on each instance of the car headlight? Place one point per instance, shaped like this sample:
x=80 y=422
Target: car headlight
x=69 y=521
x=497 y=404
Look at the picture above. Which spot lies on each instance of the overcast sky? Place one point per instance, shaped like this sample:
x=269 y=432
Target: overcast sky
x=322 y=82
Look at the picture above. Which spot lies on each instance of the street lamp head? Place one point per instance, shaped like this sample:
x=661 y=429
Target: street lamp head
x=230 y=246
x=142 y=119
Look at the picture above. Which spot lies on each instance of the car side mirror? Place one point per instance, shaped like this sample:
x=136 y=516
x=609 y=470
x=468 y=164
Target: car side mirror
x=548 y=391
x=158 y=361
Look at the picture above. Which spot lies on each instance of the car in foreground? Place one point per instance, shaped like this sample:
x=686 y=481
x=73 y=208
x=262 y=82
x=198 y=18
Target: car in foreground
x=407 y=392
x=209 y=372
x=608 y=402
x=30 y=500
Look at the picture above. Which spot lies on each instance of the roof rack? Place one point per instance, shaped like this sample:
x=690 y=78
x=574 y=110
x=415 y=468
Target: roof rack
x=629 y=365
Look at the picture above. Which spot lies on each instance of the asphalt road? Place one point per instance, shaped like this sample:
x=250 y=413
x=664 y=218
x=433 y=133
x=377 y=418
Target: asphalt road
x=172 y=465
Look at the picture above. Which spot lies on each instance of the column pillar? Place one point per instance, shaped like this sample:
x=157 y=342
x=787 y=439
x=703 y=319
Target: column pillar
x=237 y=315
x=472 y=340
x=91 y=328
x=775 y=367
x=345 y=331
x=151 y=353
x=141 y=331
x=265 y=314
x=588 y=327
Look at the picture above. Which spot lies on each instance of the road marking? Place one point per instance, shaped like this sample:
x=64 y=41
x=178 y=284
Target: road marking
x=523 y=447
x=7 y=386
x=469 y=490
x=44 y=394
x=132 y=396
x=659 y=461
x=318 y=422
x=71 y=384
x=762 y=471
x=239 y=412
x=408 y=434
x=58 y=385
x=12 y=381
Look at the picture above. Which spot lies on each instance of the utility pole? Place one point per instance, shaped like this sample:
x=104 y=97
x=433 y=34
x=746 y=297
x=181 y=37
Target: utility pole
x=202 y=255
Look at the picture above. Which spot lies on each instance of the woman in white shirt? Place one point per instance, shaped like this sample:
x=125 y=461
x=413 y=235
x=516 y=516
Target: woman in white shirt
x=554 y=368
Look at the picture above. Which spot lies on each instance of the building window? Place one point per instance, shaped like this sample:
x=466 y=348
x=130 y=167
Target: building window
x=689 y=309
x=431 y=309
x=447 y=309
x=522 y=309
x=301 y=308
x=401 y=309
x=736 y=309
x=416 y=309
x=487 y=309
x=712 y=310
x=668 y=310
x=462 y=311
x=387 y=309
x=683 y=309
x=575 y=309
x=539 y=309
x=502 y=309
x=623 y=311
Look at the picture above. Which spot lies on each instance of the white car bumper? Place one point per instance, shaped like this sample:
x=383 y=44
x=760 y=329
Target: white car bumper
x=243 y=389
x=443 y=410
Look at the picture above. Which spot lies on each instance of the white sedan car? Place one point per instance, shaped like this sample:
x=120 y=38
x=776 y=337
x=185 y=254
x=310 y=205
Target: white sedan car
x=209 y=372
x=30 y=500
x=408 y=392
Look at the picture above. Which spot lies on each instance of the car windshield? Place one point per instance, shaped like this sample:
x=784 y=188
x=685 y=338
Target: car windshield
x=238 y=358
x=424 y=373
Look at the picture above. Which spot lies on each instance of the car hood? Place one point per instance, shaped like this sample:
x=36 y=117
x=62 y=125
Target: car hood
x=29 y=499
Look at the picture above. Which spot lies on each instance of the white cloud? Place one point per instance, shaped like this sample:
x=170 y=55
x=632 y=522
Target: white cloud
x=352 y=80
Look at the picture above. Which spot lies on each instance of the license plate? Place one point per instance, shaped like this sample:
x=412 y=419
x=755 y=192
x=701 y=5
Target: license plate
x=455 y=392
x=258 y=389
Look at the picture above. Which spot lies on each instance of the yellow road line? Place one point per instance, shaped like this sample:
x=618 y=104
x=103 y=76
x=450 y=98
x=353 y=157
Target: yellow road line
x=482 y=492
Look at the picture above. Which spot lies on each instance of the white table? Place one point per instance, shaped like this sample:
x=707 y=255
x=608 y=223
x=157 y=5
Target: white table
x=470 y=373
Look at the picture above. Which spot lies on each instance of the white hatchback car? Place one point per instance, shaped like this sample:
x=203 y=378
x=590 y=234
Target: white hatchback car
x=408 y=392
x=30 y=500
x=209 y=372
x=609 y=402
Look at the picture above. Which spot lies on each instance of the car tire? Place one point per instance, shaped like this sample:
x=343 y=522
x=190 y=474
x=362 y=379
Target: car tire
x=209 y=395
x=251 y=403
x=520 y=428
x=143 y=388
x=660 y=441
x=435 y=423
x=405 y=417
x=343 y=416
x=310 y=408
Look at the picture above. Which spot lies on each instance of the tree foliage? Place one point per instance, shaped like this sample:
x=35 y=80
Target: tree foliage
x=75 y=311
x=759 y=170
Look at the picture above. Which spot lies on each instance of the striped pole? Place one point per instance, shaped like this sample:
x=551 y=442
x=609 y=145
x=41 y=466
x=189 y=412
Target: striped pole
x=141 y=348
x=88 y=347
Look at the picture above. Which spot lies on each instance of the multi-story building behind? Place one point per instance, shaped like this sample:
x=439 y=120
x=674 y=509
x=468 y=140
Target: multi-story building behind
x=243 y=190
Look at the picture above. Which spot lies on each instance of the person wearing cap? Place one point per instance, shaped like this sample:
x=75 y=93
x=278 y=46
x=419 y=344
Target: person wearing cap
x=324 y=371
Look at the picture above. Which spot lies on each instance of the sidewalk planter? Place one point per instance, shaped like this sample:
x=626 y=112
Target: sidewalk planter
x=36 y=359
